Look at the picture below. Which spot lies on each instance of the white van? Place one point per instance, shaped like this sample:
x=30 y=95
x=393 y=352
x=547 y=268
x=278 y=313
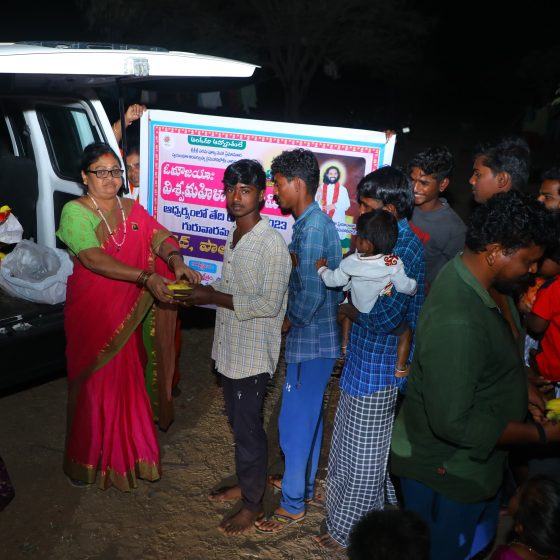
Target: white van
x=49 y=111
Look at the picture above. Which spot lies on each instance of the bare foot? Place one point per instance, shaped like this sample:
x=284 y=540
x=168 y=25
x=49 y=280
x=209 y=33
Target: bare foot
x=240 y=523
x=279 y=520
x=225 y=495
x=326 y=541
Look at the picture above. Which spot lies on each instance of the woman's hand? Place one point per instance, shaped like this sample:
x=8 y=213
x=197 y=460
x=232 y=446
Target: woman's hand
x=157 y=285
x=133 y=113
x=182 y=271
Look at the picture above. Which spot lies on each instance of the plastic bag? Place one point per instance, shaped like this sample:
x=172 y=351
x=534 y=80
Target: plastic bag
x=36 y=273
x=11 y=230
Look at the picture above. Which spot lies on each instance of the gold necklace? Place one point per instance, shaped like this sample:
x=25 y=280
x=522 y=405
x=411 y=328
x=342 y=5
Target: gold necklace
x=117 y=243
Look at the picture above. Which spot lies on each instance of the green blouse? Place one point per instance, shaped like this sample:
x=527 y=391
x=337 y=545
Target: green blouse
x=77 y=227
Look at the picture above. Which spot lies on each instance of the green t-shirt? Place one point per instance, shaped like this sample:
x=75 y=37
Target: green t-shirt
x=77 y=227
x=467 y=382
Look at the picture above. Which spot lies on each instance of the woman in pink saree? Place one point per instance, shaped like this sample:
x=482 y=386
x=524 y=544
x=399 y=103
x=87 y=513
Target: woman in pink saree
x=123 y=261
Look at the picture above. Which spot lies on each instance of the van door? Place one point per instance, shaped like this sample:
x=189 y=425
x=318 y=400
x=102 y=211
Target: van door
x=61 y=130
x=50 y=134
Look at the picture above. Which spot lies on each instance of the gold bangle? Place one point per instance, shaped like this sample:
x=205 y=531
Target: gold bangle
x=143 y=278
x=171 y=255
x=140 y=280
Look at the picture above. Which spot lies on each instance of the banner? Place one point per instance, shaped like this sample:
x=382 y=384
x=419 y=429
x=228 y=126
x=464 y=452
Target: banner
x=183 y=157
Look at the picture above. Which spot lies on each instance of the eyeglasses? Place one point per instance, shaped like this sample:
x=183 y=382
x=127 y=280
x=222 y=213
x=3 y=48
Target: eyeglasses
x=104 y=173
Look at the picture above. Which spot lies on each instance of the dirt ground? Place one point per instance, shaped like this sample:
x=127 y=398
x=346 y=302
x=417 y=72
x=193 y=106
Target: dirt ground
x=169 y=519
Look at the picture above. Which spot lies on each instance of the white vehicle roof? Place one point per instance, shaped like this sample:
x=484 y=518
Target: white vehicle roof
x=63 y=59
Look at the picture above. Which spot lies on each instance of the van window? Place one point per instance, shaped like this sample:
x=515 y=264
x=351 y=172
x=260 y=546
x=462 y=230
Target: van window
x=18 y=139
x=67 y=132
x=6 y=147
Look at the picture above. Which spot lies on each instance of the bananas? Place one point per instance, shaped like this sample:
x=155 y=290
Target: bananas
x=553 y=408
x=179 y=286
x=179 y=289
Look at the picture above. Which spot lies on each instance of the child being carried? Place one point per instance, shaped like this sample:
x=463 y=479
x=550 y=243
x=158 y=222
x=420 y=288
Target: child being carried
x=371 y=272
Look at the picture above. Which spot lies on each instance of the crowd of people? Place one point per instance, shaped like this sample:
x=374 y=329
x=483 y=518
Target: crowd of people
x=450 y=339
x=447 y=335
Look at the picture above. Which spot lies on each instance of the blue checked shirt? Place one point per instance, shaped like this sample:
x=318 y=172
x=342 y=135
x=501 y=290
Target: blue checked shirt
x=372 y=351
x=311 y=305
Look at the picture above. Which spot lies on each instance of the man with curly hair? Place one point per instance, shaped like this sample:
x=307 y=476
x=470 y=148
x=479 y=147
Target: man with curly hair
x=467 y=389
x=430 y=172
x=313 y=337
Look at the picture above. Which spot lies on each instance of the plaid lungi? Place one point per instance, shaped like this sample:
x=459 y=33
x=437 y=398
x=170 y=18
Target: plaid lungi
x=357 y=478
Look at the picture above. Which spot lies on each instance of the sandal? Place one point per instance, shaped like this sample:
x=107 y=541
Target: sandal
x=283 y=521
x=276 y=483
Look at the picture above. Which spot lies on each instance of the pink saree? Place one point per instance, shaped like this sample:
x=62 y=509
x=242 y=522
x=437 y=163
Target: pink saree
x=110 y=423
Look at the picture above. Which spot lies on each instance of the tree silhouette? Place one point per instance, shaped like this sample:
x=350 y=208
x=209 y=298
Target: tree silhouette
x=295 y=39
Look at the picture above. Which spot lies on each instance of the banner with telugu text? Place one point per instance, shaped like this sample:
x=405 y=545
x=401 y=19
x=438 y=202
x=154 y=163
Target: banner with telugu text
x=183 y=157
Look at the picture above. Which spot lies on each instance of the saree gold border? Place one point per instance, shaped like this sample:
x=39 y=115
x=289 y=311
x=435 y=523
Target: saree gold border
x=125 y=482
x=157 y=240
x=129 y=480
x=159 y=237
x=130 y=323
x=151 y=317
x=78 y=471
x=110 y=350
x=120 y=336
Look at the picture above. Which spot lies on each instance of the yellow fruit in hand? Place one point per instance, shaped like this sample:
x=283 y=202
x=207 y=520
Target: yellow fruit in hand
x=5 y=208
x=179 y=289
x=179 y=286
x=553 y=415
x=553 y=404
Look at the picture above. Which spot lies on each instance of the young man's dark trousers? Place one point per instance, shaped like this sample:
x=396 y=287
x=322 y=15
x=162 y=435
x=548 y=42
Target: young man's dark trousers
x=244 y=403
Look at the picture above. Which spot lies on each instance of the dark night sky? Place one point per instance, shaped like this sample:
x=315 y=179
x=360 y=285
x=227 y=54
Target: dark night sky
x=472 y=40
x=469 y=72
x=473 y=48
